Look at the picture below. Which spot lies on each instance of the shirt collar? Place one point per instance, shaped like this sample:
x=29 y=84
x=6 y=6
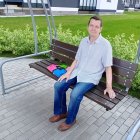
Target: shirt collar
x=96 y=41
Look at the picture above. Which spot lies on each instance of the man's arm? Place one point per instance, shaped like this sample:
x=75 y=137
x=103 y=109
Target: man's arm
x=109 y=89
x=68 y=73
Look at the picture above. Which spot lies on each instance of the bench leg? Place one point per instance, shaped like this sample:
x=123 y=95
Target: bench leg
x=107 y=109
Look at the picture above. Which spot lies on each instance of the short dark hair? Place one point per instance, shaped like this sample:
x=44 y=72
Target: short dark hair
x=96 y=18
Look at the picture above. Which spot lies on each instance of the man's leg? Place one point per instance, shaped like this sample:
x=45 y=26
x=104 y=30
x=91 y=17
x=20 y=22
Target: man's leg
x=76 y=96
x=60 y=108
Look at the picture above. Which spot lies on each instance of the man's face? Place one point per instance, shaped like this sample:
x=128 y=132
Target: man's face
x=94 y=27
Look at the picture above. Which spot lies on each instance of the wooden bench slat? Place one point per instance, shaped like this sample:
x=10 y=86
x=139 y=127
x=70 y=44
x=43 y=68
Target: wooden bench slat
x=121 y=81
x=106 y=97
x=43 y=70
x=100 y=100
x=62 y=58
x=123 y=72
x=63 y=51
x=125 y=64
x=122 y=92
x=65 y=45
x=118 y=95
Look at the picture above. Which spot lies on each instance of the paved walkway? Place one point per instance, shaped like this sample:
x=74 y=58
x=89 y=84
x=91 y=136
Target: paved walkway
x=25 y=110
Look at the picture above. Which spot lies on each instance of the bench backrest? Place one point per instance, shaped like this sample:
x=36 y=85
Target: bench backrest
x=123 y=71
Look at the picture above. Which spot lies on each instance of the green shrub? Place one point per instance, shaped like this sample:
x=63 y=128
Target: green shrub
x=21 y=42
x=126 y=48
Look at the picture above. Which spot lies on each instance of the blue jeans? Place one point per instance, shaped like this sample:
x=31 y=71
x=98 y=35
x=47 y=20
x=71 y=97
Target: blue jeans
x=76 y=96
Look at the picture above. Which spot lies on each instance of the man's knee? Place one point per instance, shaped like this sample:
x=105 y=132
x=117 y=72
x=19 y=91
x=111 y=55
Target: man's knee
x=59 y=85
x=76 y=96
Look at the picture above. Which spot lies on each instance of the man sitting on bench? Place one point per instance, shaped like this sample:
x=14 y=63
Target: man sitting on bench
x=94 y=56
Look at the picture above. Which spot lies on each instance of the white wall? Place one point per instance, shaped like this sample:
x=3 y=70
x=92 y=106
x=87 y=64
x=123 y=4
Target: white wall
x=34 y=1
x=104 y=5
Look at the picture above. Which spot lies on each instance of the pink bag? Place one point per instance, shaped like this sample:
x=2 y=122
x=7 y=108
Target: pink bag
x=52 y=67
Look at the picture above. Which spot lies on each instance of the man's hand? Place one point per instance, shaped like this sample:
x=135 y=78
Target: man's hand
x=64 y=76
x=110 y=92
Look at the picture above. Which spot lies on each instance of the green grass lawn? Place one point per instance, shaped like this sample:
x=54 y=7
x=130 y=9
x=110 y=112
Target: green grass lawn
x=128 y=23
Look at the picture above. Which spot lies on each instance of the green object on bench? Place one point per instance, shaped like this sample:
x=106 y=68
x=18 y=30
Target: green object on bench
x=63 y=66
x=123 y=73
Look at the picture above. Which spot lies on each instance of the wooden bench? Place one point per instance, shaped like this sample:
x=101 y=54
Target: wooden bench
x=123 y=73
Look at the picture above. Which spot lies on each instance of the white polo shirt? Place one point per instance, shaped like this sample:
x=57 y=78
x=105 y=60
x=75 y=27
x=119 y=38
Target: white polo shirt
x=92 y=58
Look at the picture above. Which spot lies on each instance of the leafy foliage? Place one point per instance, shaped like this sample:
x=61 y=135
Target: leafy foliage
x=21 y=42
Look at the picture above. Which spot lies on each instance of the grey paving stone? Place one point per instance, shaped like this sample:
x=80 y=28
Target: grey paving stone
x=6 y=120
x=99 y=121
x=13 y=136
x=135 y=104
x=26 y=135
x=97 y=107
x=119 y=104
x=86 y=102
x=112 y=130
x=125 y=115
x=91 y=129
x=3 y=134
x=137 y=136
x=131 y=99
x=122 y=130
x=129 y=122
x=89 y=113
x=110 y=121
x=127 y=104
x=106 y=136
x=37 y=135
x=116 y=114
x=130 y=109
x=99 y=113
x=84 y=136
x=78 y=131
x=88 y=107
x=39 y=126
x=102 y=129
x=122 y=109
x=134 y=115
x=107 y=115
x=96 y=136
x=93 y=103
x=114 y=109
x=125 y=136
x=116 y=136
x=137 y=109
x=124 y=99
x=119 y=121
x=3 y=111
x=91 y=120
x=6 y=126
x=16 y=127
x=103 y=109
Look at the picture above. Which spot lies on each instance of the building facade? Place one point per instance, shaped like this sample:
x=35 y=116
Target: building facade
x=132 y=4
x=100 y=6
